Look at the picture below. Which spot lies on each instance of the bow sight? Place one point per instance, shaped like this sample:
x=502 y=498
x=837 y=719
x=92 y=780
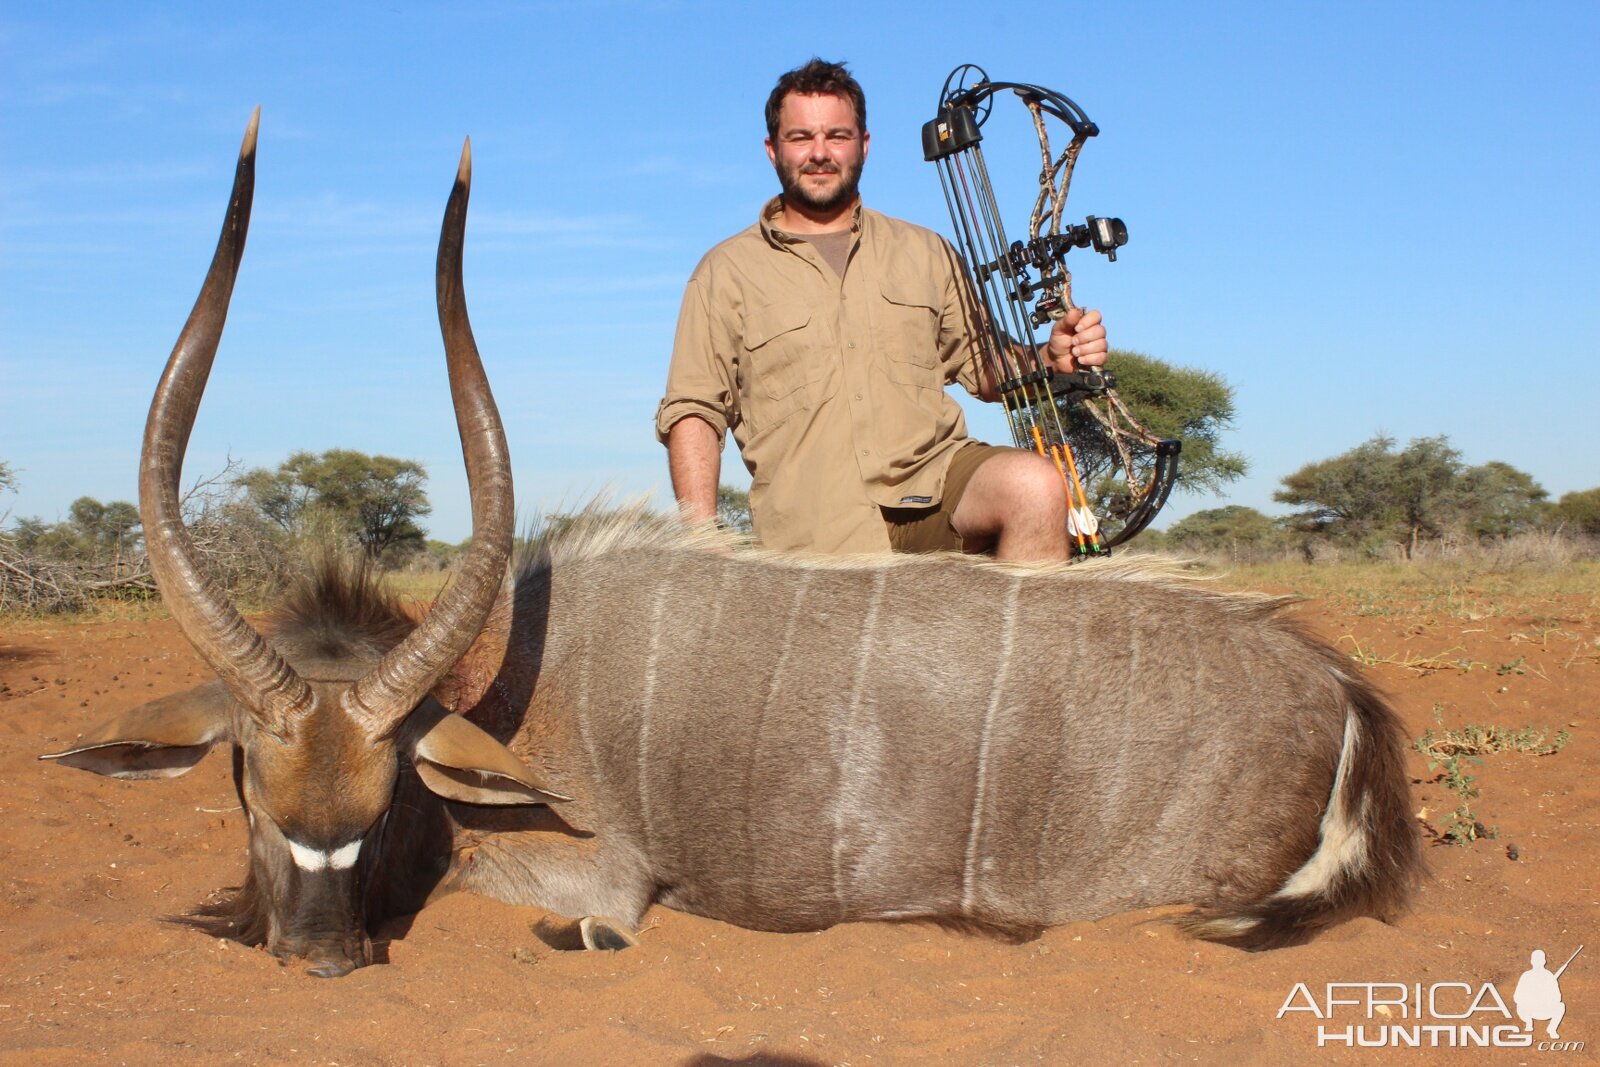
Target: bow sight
x=1075 y=419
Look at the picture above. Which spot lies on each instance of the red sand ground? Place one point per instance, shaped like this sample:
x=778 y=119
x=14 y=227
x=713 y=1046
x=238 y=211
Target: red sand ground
x=89 y=972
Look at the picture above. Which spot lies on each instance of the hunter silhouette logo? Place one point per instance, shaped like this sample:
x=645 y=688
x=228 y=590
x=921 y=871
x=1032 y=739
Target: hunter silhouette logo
x=1452 y=1014
x=1538 y=994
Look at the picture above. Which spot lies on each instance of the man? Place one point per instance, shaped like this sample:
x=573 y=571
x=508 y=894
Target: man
x=824 y=337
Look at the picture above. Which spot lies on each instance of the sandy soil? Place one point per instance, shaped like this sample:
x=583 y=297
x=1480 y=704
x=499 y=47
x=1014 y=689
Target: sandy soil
x=90 y=972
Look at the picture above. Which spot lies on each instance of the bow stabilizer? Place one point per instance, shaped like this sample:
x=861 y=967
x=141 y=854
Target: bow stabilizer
x=1076 y=419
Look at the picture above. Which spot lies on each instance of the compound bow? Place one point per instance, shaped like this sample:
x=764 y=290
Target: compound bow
x=1075 y=419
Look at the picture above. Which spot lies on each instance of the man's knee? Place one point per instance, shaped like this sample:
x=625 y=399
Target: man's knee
x=1033 y=485
x=1012 y=492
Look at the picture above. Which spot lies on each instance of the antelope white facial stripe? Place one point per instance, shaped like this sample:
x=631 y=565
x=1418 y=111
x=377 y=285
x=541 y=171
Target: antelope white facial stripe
x=316 y=859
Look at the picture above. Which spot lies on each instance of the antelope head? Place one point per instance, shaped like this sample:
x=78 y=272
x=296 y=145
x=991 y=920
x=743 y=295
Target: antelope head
x=320 y=738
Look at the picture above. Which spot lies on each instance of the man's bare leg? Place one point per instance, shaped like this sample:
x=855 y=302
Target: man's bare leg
x=1017 y=501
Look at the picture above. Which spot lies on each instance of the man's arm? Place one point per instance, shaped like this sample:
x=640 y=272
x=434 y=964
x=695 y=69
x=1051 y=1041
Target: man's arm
x=694 y=458
x=699 y=405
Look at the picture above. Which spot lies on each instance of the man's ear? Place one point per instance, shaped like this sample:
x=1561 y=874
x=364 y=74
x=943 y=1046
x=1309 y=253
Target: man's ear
x=458 y=761
x=161 y=739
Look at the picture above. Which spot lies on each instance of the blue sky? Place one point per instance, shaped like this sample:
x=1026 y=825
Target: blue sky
x=1366 y=217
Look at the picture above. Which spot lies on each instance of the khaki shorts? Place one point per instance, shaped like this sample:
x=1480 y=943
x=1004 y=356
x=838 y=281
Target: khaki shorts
x=929 y=529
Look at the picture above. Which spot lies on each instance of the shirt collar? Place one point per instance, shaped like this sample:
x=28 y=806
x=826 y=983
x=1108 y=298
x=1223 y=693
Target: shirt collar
x=778 y=238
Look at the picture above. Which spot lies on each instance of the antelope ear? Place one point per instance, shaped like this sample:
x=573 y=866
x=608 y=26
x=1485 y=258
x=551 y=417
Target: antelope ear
x=161 y=739
x=458 y=761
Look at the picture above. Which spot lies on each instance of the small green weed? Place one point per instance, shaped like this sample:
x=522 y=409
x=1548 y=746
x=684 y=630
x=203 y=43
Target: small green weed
x=1461 y=826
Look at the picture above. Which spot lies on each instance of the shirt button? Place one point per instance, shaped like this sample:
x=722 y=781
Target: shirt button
x=851 y=345
x=858 y=396
x=866 y=451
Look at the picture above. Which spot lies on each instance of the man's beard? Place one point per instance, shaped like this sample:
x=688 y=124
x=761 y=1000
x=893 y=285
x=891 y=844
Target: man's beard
x=845 y=193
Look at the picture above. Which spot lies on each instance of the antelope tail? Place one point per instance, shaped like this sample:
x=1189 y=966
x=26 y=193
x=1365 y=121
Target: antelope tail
x=1368 y=857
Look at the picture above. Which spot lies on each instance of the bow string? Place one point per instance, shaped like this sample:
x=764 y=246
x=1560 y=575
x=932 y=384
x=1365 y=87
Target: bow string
x=1077 y=420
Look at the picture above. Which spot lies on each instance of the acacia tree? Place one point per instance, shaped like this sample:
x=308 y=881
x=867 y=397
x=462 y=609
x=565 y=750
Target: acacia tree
x=733 y=509
x=1579 y=511
x=375 y=500
x=108 y=528
x=92 y=532
x=1420 y=492
x=1231 y=529
x=1497 y=500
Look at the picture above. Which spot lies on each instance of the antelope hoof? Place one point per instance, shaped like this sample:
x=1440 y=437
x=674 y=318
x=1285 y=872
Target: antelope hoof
x=331 y=968
x=601 y=934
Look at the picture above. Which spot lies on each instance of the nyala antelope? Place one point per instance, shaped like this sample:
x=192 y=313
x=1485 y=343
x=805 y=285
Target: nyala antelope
x=624 y=716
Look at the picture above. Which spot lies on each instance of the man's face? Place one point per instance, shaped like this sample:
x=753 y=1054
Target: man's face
x=819 y=150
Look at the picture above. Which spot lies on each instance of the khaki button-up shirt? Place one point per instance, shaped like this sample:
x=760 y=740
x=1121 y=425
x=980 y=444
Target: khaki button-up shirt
x=834 y=387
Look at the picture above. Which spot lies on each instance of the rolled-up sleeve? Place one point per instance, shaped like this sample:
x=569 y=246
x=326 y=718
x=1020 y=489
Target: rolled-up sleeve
x=700 y=380
x=960 y=324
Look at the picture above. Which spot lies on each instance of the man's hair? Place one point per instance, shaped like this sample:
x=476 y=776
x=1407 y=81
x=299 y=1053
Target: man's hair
x=817 y=77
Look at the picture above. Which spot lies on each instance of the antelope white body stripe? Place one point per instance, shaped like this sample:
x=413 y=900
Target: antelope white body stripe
x=658 y=605
x=316 y=859
x=969 y=868
x=846 y=747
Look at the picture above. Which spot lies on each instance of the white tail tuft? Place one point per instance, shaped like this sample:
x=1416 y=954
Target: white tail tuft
x=1343 y=844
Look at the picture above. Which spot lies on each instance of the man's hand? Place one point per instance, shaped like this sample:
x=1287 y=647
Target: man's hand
x=1077 y=340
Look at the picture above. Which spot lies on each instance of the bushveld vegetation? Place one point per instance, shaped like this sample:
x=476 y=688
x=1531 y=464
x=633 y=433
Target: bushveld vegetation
x=248 y=526
x=1379 y=502
x=373 y=502
x=1420 y=504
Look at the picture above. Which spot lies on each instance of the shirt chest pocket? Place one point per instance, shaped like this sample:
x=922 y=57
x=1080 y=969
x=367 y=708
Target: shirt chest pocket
x=908 y=333
x=775 y=343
